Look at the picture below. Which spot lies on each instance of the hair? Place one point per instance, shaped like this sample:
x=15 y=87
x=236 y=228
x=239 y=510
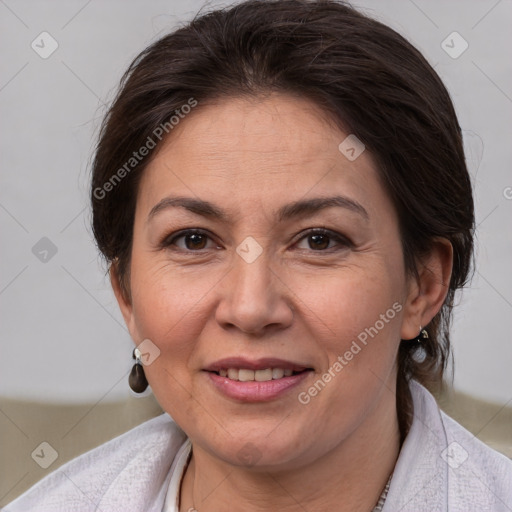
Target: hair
x=362 y=73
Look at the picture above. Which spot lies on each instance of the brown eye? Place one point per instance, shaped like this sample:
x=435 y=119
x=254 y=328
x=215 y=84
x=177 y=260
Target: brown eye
x=195 y=241
x=320 y=239
x=192 y=240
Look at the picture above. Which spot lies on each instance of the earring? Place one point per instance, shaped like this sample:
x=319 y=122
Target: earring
x=422 y=336
x=137 y=379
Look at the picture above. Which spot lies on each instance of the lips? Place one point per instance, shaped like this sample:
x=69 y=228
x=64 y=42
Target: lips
x=255 y=380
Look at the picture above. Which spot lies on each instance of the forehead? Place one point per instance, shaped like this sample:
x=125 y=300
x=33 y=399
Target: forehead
x=255 y=151
x=275 y=124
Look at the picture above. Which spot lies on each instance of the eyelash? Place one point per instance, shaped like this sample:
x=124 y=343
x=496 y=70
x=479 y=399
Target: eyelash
x=343 y=241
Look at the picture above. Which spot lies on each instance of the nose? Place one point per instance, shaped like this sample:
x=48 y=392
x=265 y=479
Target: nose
x=255 y=298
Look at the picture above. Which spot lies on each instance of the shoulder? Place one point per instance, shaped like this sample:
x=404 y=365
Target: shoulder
x=474 y=468
x=131 y=468
x=443 y=467
x=461 y=444
x=477 y=477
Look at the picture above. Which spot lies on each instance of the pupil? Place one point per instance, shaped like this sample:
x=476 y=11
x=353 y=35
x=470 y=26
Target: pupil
x=317 y=239
x=195 y=239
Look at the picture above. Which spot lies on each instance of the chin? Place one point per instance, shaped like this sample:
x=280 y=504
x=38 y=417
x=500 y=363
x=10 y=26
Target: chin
x=258 y=451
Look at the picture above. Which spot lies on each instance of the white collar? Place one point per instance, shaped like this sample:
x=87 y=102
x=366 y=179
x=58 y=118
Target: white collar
x=177 y=471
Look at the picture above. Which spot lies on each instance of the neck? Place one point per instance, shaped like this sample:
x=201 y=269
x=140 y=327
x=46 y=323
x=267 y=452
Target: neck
x=350 y=477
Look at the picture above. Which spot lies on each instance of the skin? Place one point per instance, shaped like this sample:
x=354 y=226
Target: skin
x=302 y=299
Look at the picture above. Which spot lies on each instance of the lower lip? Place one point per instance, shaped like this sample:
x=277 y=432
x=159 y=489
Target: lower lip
x=254 y=391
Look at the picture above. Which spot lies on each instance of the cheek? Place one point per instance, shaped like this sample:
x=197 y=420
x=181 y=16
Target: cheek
x=362 y=310
x=352 y=301
x=167 y=309
x=359 y=317
x=167 y=296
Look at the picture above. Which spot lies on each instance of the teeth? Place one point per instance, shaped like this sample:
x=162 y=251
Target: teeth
x=263 y=375
x=277 y=373
x=233 y=374
x=244 y=375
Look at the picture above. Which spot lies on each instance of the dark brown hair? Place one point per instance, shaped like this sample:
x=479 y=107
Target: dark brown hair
x=361 y=73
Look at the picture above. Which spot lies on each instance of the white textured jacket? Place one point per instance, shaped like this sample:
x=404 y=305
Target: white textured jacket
x=441 y=467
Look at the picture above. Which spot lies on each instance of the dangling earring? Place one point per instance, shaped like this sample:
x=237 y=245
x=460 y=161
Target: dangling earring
x=137 y=379
x=422 y=336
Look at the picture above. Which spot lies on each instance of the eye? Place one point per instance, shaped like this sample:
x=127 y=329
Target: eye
x=193 y=240
x=319 y=240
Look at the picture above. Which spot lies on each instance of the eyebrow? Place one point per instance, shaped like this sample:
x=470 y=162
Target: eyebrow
x=289 y=211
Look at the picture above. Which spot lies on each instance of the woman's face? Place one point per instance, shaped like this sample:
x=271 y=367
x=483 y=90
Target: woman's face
x=256 y=289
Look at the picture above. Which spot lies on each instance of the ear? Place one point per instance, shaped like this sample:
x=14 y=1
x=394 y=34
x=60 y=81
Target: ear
x=428 y=290
x=124 y=300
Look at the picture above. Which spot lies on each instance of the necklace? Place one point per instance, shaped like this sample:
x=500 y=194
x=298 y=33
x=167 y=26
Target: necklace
x=383 y=496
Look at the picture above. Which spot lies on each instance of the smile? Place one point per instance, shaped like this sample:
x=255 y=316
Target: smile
x=246 y=375
x=263 y=380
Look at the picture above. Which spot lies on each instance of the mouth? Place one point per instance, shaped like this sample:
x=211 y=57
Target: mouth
x=256 y=380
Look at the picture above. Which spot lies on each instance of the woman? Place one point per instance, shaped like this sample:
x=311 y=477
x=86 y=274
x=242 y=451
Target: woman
x=281 y=193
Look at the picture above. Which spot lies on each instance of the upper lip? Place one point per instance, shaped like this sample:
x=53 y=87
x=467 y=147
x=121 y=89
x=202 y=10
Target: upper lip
x=255 y=364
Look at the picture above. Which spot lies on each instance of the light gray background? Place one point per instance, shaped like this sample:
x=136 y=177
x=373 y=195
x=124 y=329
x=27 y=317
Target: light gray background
x=62 y=336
